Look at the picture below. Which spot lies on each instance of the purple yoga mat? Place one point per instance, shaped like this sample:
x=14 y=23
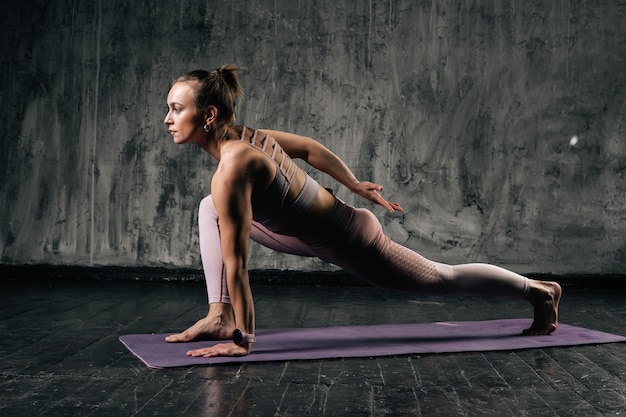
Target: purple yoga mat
x=367 y=341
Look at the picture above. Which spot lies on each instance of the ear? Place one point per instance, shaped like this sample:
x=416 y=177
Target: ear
x=210 y=115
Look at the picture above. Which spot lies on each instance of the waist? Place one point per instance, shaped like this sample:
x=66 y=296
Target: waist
x=275 y=216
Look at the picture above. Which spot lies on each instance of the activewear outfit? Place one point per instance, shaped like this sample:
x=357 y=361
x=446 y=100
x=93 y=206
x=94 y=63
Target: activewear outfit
x=351 y=238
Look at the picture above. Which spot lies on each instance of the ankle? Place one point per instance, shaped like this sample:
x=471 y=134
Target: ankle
x=220 y=311
x=542 y=290
x=216 y=308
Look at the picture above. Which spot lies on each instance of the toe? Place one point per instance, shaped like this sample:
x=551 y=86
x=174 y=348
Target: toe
x=174 y=338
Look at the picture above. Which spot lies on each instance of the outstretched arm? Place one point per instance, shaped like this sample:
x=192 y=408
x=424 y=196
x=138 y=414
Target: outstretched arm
x=321 y=158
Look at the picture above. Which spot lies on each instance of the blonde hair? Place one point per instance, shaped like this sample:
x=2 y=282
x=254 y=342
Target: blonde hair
x=219 y=87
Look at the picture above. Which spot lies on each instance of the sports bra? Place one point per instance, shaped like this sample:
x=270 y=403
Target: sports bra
x=269 y=209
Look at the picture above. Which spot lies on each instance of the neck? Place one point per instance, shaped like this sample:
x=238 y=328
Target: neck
x=215 y=139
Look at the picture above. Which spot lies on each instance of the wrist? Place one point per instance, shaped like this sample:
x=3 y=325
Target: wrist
x=353 y=186
x=241 y=338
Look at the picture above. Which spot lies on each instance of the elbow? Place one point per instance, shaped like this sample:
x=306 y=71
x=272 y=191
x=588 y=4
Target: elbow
x=313 y=150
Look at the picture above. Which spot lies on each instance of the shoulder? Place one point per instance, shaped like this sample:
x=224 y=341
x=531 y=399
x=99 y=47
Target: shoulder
x=240 y=154
x=230 y=179
x=239 y=163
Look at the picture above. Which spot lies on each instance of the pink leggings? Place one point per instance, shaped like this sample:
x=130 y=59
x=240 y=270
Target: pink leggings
x=353 y=239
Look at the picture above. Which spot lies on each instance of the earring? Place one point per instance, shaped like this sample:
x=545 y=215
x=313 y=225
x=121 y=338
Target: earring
x=207 y=128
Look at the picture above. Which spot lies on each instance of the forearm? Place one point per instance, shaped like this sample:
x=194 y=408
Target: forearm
x=241 y=300
x=324 y=160
x=321 y=158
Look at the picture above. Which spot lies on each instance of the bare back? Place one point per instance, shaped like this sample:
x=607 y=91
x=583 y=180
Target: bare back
x=284 y=199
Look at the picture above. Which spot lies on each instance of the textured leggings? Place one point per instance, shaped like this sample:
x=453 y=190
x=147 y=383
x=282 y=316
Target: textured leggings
x=353 y=239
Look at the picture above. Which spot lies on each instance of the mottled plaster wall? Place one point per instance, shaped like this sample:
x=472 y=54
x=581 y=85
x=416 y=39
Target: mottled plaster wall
x=464 y=111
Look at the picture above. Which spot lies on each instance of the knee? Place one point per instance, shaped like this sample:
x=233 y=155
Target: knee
x=444 y=271
x=207 y=210
x=446 y=277
x=207 y=203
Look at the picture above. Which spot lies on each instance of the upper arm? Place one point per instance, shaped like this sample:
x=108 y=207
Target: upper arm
x=316 y=155
x=231 y=188
x=296 y=146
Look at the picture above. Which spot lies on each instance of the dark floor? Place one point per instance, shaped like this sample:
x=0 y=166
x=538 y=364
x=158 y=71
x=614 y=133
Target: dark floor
x=61 y=356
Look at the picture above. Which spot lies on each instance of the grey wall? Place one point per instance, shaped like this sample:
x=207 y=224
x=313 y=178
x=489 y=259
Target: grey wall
x=464 y=111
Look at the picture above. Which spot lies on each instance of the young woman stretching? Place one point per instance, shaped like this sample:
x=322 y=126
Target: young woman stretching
x=258 y=192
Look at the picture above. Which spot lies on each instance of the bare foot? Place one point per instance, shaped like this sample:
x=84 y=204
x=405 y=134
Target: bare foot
x=545 y=297
x=219 y=324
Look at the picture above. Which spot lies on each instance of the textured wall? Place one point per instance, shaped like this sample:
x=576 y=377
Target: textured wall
x=462 y=110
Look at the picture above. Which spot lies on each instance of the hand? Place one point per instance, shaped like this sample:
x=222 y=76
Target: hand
x=221 y=349
x=369 y=190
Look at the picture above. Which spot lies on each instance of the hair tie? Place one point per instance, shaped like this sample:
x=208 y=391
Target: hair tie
x=218 y=72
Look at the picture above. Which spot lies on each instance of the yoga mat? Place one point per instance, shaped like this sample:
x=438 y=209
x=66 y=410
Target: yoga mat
x=368 y=341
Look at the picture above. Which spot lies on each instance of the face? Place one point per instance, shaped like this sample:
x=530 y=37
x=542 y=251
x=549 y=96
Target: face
x=183 y=120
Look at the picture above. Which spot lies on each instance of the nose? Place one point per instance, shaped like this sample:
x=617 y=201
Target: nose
x=168 y=118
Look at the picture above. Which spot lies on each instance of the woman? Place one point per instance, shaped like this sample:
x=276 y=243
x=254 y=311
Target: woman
x=259 y=193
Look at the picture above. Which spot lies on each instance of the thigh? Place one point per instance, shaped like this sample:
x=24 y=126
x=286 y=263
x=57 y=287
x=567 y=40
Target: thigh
x=281 y=243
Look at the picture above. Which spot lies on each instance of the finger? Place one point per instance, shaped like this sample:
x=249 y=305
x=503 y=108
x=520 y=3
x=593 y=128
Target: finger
x=376 y=198
x=386 y=205
x=198 y=352
x=380 y=200
x=375 y=187
x=223 y=350
x=370 y=186
x=391 y=207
